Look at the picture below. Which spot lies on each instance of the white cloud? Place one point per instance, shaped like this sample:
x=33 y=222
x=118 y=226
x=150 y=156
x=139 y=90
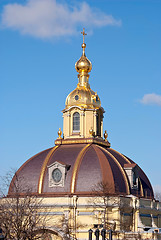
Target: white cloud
x=151 y=99
x=49 y=19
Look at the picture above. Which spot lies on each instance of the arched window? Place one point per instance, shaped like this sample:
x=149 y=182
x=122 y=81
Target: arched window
x=76 y=122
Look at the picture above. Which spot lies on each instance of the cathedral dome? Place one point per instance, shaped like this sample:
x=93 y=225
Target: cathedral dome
x=82 y=159
x=76 y=169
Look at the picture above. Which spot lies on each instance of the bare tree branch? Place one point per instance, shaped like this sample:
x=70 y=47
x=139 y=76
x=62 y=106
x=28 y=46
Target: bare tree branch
x=158 y=196
x=20 y=215
x=110 y=203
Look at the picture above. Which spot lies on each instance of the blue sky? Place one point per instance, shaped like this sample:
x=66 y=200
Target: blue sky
x=40 y=42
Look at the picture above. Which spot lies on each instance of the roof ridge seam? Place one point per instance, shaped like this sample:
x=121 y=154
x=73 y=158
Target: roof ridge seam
x=76 y=167
x=122 y=170
x=100 y=162
x=42 y=171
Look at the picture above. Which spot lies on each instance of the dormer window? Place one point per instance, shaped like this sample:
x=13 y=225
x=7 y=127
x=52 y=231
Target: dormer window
x=132 y=174
x=76 y=122
x=57 y=172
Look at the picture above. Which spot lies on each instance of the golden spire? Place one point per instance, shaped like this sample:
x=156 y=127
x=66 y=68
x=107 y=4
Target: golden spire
x=83 y=33
x=83 y=45
x=83 y=65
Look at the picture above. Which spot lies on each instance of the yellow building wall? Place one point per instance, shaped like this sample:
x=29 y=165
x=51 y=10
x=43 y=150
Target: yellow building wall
x=82 y=215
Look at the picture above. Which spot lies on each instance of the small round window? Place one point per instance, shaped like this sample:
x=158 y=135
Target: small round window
x=76 y=97
x=57 y=175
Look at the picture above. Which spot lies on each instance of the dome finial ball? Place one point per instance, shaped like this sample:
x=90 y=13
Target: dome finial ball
x=105 y=135
x=59 y=133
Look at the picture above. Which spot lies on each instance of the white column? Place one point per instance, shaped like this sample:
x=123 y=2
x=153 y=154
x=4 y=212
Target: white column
x=82 y=124
x=95 y=122
x=101 y=125
x=69 y=124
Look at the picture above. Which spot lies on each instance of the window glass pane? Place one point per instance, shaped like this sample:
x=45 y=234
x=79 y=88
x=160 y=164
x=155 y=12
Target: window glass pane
x=76 y=121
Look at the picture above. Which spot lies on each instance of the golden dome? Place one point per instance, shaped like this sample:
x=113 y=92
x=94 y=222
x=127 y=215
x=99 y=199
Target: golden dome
x=83 y=97
x=83 y=64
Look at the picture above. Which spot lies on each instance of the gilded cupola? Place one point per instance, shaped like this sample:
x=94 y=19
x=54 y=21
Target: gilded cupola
x=83 y=96
x=83 y=113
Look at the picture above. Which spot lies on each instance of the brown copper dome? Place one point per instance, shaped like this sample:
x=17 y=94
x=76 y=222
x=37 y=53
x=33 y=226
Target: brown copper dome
x=86 y=165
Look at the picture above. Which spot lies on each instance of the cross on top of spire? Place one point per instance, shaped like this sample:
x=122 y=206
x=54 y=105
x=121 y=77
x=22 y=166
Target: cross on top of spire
x=83 y=33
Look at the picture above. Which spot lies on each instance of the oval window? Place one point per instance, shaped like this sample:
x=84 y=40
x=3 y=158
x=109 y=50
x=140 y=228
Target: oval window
x=76 y=97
